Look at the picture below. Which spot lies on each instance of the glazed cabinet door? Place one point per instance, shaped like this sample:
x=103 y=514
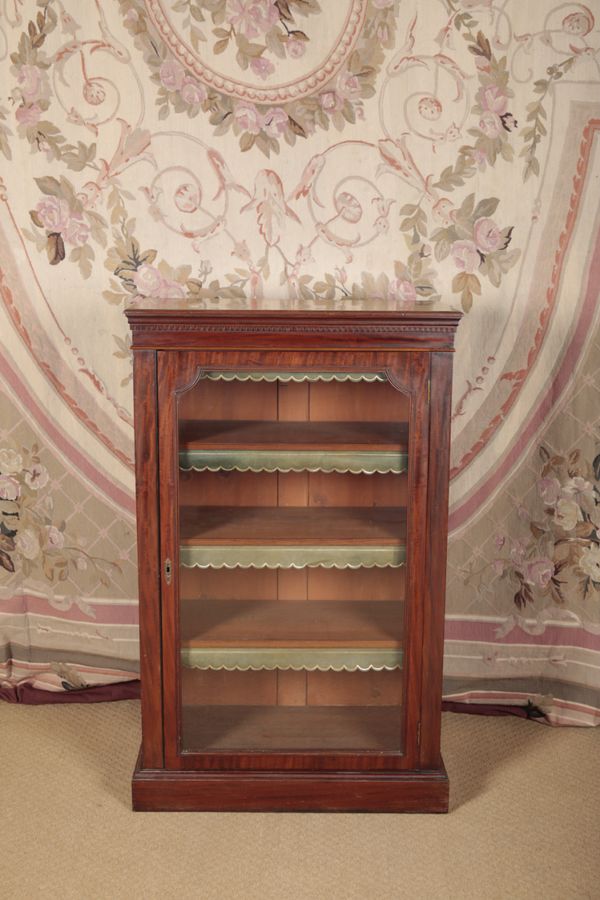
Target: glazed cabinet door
x=293 y=510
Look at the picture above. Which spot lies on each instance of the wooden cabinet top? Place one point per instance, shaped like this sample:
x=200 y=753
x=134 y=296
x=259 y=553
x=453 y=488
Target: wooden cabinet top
x=291 y=324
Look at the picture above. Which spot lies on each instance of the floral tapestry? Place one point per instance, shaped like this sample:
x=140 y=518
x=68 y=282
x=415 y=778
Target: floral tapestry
x=321 y=152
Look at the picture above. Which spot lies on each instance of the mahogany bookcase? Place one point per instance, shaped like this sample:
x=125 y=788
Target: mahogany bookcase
x=292 y=491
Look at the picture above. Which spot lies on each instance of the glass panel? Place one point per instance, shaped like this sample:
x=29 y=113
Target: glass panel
x=293 y=493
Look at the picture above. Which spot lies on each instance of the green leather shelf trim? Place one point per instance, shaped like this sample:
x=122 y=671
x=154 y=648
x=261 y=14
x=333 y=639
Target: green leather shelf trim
x=282 y=557
x=358 y=462
x=334 y=659
x=219 y=375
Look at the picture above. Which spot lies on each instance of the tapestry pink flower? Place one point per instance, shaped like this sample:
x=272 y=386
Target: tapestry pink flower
x=29 y=80
x=331 y=101
x=248 y=118
x=54 y=213
x=539 y=572
x=549 y=490
x=252 y=18
x=55 y=539
x=487 y=235
x=147 y=280
x=28 y=115
x=172 y=75
x=295 y=49
x=491 y=124
x=402 y=289
x=151 y=283
x=10 y=488
x=465 y=256
x=76 y=231
x=36 y=476
x=192 y=91
x=517 y=552
x=170 y=290
x=348 y=85
x=275 y=121
x=492 y=99
x=262 y=67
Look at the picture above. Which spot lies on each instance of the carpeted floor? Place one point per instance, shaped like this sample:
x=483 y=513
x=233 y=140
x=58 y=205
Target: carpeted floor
x=524 y=823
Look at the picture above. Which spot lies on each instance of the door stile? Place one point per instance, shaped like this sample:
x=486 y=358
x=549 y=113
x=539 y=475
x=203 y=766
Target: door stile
x=434 y=596
x=411 y=375
x=148 y=529
x=169 y=378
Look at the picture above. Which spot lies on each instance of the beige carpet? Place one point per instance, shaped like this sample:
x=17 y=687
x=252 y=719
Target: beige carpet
x=524 y=823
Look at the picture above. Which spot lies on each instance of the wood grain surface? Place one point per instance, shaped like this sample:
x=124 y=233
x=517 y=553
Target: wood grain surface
x=292 y=526
x=291 y=623
x=290 y=435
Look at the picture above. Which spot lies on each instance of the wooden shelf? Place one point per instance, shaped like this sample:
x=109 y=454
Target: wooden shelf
x=292 y=525
x=298 y=635
x=291 y=623
x=291 y=728
x=290 y=446
x=285 y=435
x=292 y=536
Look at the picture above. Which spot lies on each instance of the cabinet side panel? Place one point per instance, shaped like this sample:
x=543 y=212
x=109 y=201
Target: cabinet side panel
x=437 y=524
x=146 y=467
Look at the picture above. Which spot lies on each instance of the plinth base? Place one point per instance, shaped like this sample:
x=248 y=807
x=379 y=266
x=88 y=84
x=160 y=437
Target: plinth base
x=161 y=790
